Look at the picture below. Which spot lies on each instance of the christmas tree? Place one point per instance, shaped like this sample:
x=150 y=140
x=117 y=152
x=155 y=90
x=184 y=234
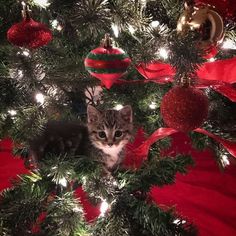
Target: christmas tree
x=172 y=61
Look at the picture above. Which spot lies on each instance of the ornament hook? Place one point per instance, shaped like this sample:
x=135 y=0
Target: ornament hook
x=107 y=41
x=26 y=12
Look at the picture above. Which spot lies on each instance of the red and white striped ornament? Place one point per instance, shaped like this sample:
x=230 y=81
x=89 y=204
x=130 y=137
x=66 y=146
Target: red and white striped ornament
x=107 y=63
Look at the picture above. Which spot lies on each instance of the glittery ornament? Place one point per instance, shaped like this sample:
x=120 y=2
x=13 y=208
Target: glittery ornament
x=107 y=63
x=184 y=108
x=29 y=33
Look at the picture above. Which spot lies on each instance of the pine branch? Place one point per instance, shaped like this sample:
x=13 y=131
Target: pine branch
x=64 y=216
x=155 y=172
x=159 y=222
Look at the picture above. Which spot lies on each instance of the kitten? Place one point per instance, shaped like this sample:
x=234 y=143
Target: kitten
x=104 y=137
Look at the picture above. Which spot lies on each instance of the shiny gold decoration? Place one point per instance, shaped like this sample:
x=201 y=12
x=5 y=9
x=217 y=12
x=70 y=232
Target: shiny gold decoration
x=206 y=21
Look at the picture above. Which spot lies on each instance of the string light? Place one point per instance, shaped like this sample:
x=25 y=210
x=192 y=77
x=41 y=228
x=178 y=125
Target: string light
x=12 y=112
x=131 y=29
x=42 y=3
x=55 y=25
x=103 y=208
x=155 y=23
x=212 y=59
x=225 y=160
x=25 y=53
x=63 y=182
x=178 y=221
x=40 y=98
x=115 y=30
x=153 y=105
x=163 y=53
x=118 y=107
x=229 y=44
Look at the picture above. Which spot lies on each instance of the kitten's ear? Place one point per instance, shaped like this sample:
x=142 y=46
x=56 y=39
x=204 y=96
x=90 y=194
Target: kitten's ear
x=127 y=114
x=92 y=114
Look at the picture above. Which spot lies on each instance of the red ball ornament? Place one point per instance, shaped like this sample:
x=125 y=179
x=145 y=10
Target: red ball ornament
x=107 y=63
x=184 y=108
x=29 y=33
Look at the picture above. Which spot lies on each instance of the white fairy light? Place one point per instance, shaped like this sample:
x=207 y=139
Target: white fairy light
x=12 y=112
x=63 y=182
x=103 y=208
x=225 y=160
x=118 y=107
x=115 y=30
x=42 y=3
x=25 y=53
x=155 y=23
x=153 y=105
x=212 y=59
x=40 y=98
x=229 y=44
x=55 y=25
x=131 y=29
x=163 y=53
x=178 y=221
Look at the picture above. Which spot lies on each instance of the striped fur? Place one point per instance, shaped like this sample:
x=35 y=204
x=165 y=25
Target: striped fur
x=116 y=129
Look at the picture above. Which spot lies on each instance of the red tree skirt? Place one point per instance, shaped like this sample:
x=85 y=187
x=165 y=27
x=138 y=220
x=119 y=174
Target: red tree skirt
x=205 y=195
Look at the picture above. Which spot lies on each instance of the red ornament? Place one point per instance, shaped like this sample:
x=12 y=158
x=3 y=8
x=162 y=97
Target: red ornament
x=107 y=63
x=29 y=33
x=184 y=108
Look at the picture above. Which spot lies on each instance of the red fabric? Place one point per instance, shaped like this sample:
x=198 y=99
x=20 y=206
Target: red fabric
x=10 y=166
x=205 y=195
x=90 y=212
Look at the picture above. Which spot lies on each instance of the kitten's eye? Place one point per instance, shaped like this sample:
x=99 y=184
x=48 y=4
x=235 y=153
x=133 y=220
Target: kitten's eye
x=118 y=134
x=102 y=134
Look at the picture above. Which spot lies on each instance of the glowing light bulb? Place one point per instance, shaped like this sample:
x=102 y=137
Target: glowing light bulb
x=131 y=29
x=12 y=112
x=26 y=53
x=178 y=221
x=115 y=30
x=153 y=105
x=63 y=182
x=229 y=44
x=42 y=3
x=55 y=25
x=118 y=107
x=225 y=160
x=103 y=208
x=163 y=53
x=40 y=98
x=211 y=59
x=155 y=23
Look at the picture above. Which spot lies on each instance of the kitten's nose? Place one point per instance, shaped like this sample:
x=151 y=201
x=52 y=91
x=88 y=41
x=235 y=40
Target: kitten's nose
x=110 y=144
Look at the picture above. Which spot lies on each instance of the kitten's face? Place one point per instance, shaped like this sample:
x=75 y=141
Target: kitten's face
x=110 y=129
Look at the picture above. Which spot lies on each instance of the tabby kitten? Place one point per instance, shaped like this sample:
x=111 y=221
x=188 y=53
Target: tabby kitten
x=104 y=137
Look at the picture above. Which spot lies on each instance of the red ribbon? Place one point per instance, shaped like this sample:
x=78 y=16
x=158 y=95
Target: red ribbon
x=219 y=75
x=138 y=151
x=228 y=145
